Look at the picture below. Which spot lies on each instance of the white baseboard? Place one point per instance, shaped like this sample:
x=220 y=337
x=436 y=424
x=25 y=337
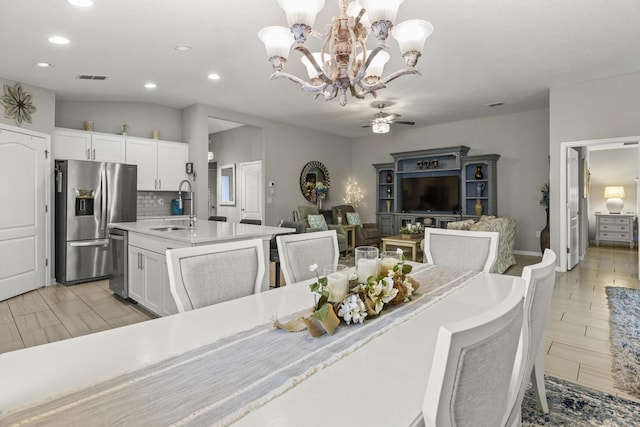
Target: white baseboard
x=529 y=253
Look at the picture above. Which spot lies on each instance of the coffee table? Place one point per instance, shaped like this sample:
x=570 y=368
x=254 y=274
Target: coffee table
x=400 y=242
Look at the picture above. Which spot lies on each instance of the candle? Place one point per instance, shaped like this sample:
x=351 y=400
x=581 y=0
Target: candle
x=387 y=264
x=366 y=268
x=338 y=285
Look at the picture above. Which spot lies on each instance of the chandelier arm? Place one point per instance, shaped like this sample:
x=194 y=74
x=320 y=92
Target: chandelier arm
x=306 y=86
x=364 y=67
x=352 y=56
x=356 y=94
x=334 y=92
x=311 y=59
x=399 y=73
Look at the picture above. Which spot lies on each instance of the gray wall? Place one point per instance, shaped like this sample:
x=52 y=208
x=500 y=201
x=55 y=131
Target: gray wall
x=611 y=167
x=520 y=139
x=142 y=118
x=234 y=146
x=44 y=100
x=597 y=109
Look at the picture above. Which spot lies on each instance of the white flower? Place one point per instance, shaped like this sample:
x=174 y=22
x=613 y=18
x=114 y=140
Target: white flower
x=353 y=310
x=407 y=284
x=399 y=251
x=313 y=267
x=382 y=292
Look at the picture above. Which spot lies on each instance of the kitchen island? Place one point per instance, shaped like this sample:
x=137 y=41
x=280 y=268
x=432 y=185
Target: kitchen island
x=148 y=242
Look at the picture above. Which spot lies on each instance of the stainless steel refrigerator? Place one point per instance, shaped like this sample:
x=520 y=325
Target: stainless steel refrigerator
x=89 y=196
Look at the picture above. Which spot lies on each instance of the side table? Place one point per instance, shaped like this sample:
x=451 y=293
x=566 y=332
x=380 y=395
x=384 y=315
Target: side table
x=351 y=237
x=399 y=242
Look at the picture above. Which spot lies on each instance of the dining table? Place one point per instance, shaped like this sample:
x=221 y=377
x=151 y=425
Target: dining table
x=226 y=364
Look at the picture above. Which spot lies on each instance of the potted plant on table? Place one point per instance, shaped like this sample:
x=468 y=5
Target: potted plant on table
x=411 y=231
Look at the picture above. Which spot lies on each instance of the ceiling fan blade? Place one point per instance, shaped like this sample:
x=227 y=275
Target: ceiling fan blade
x=399 y=122
x=366 y=126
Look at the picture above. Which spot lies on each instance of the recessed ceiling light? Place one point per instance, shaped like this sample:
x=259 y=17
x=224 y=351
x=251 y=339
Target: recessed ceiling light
x=183 y=48
x=150 y=85
x=214 y=76
x=58 y=40
x=81 y=3
x=44 y=65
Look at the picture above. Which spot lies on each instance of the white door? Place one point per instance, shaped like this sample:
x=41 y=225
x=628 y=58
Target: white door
x=23 y=170
x=573 y=212
x=251 y=190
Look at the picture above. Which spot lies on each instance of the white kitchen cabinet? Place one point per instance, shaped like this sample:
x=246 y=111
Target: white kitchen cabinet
x=80 y=145
x=161 y=164
x=149 y=275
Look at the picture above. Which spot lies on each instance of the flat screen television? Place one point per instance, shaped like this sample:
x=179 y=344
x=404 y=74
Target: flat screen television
x=430 y=194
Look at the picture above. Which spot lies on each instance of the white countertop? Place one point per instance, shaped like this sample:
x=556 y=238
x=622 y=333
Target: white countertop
x=203 y=232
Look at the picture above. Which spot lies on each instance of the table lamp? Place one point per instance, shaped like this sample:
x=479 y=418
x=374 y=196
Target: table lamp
x=614 y=196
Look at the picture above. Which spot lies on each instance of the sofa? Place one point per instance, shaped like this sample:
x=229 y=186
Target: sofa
x=301 y=215
x=367 y=234
x=506 y=227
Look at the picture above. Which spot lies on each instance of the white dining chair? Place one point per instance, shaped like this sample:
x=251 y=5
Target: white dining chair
x=472 y=366
x=539 y=280
x=200 y=276
x=298 y=251
x=473 y=250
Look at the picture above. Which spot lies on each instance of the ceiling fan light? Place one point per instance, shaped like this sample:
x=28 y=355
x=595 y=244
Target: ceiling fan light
x=382 y=10
x=277 y=41
x=380 y=127
x=301 y=11
x=411 y=35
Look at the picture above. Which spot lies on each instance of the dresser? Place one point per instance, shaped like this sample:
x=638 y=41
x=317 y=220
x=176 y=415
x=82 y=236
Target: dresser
x=615 y=228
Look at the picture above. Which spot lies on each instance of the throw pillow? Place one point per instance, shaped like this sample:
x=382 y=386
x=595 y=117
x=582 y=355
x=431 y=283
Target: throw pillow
x=317 y=221
x=460 y=225
x=482 y=226
x=487 y=217
x=353 y=218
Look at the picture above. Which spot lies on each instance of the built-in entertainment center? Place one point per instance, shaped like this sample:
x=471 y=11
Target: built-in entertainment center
x=435 y=186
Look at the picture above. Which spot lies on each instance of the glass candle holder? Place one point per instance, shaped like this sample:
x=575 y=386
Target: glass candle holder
x=337 y=281
x=367 y=262
x=388 y=259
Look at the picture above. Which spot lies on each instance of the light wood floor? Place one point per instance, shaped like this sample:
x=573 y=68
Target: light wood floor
x=577 y=342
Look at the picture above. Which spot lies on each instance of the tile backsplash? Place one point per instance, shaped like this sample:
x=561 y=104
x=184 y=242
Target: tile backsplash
x=157 y=203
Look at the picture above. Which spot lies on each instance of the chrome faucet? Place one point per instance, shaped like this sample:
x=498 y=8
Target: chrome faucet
x=192 y=216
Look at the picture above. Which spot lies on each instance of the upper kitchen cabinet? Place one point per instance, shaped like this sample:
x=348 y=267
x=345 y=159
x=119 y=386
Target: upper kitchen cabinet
x=161 y=164
x=80 y=145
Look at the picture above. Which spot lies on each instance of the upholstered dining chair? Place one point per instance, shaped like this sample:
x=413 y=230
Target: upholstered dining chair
x=472 y=366
x=539 y=280
x=205 y=275
x=298 y=251
x=474 y=250
x=274 y=256
x=218 y=218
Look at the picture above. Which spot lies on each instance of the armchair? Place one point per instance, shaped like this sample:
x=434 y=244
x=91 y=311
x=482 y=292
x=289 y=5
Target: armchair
x=367 y=235
x=302 y=213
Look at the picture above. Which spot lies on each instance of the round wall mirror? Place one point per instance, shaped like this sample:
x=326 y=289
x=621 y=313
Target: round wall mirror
x=312 y=173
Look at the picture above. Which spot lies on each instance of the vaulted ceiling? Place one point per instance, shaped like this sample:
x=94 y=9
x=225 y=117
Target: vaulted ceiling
x=481 y=51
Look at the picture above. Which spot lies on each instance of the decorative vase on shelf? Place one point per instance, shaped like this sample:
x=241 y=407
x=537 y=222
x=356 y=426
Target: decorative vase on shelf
x=389 y=192
x=545 y=236
x=478 y=174
x=478 y=207
x=389 y=177
x=480 y=186
x=388 y=205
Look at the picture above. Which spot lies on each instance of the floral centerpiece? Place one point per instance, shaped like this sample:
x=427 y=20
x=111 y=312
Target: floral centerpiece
x=411 y=230
x=319 y=193
x=361 y=301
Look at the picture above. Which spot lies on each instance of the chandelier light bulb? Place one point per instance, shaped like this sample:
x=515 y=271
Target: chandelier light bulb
x=382 y=10
x=277 y=41
x=411 y=36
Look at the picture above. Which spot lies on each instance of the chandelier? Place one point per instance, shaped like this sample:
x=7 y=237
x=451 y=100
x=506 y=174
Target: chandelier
x=343 y=62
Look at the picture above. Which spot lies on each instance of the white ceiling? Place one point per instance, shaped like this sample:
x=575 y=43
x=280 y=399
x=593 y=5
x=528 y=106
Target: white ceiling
x=481 y=51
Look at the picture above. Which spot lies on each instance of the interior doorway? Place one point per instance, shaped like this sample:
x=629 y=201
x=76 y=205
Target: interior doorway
x=566 y=187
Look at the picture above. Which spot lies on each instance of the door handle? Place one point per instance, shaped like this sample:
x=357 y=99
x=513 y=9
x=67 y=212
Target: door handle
x=159 y=184
x=88 y=154
x=94 y=154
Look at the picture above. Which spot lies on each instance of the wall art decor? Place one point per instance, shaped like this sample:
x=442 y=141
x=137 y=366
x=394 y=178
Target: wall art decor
x=18 y=104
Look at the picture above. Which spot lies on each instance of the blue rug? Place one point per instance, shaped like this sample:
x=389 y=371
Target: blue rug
x=574 y=405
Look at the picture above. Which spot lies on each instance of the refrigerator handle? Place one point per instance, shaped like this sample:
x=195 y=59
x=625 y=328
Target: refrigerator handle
x=82 y=244
x=102 y=221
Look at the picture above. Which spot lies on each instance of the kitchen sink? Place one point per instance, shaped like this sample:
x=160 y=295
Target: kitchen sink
x=169 y=228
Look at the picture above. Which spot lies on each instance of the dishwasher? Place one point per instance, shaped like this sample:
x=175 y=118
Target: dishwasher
x=119 y=282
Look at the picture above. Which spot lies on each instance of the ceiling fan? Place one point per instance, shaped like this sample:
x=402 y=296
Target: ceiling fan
x=381 y=121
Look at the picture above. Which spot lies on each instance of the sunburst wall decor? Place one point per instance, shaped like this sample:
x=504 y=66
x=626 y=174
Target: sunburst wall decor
x=18 y=104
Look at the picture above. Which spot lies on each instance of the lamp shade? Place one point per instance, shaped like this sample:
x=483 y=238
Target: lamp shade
x=277 y=41
x=616 y=192
x=301 y=11
x=377 y=65
x=382 y=10
x=412 y=34
x=380 y=127
x=354 y=9
x=311 y=70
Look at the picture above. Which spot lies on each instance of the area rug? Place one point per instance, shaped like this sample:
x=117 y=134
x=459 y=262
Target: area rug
x=624 y=308
x=574 y=405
